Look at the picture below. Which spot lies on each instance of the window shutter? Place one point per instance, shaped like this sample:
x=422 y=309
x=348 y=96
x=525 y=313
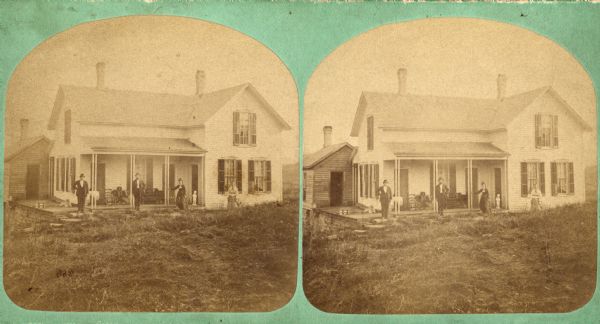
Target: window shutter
x=268 y=175
x=72 y=169
x=538 y=135
x=252 y=129
x=376 y=182
x=524 y=191
x=370 y=140
x=250 y=176
x=554 y=131
x=542 y=178
x=238 y=173
x=68 y=127
x=553 y=177
x=221 y=176
x=571 y=178
x=236 y=133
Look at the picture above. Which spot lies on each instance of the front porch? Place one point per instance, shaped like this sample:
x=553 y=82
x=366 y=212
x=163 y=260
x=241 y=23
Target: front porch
x=111 y=169
x=413 y=173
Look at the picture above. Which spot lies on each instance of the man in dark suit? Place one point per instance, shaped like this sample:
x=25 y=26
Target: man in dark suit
x=81 y=190
x=385 y=196
x=441 y=195
x=136 y=189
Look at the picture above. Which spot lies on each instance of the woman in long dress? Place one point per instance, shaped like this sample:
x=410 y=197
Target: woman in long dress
x=180 y=194
x=484 y=199
x=535 y=196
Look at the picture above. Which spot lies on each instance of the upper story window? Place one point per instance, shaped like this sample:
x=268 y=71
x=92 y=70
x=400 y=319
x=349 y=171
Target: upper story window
x=68 y=127
x=370 y=139
x=546 y=131
x=244 y=128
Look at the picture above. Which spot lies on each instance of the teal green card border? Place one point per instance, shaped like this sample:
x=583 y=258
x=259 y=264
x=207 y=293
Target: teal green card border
x=302 y=34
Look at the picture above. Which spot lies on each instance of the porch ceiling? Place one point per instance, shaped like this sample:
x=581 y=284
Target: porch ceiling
x=142 y=145
x=446 y=149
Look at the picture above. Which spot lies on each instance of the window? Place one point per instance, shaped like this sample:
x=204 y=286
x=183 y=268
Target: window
x=244 y=128
x=259 y=176
x=546 y=131
x=532 y=175
x=370 y=140
x=68 y=127
x=230 y=173
x=563 y=180
x=369 y=180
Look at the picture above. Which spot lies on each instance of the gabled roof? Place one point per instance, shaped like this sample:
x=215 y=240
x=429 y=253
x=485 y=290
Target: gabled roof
x=442 y=113
x=313 y=159
x=146 y=108
x=446 y=149
x=141 y=144
x=27 y=143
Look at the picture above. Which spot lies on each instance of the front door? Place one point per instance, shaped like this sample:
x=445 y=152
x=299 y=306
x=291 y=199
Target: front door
x=195 y=182
x=101 y=182
x=404 y=188
x=336 y=188
x=475 y=188
x=32 y=186
x=497 y=185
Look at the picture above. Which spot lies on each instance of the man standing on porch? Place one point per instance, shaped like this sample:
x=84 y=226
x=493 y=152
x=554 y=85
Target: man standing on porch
x=385 y=196
x=441 y=193
x=81 y=191
x=136 y=189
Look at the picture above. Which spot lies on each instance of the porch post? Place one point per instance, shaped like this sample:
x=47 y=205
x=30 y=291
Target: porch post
x=202 y=176
x=470 y=184
x=505 y=198
x=93 y=181
x=396 y=182
x=435 y=177
x=168 y=187
x=166 y=175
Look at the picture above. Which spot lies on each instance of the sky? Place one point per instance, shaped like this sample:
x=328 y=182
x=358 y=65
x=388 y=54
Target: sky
x=147 y=53
x=447 y=57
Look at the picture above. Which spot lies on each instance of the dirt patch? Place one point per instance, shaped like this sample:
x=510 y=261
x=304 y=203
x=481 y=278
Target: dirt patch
x=504 y=263
x=201 y=261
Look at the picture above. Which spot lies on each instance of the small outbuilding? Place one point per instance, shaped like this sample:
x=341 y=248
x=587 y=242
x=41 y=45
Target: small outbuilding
x=327 y=174
x=26 y=170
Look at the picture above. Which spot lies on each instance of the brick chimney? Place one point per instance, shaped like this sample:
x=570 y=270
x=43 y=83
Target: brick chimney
x=100 y=75
x=24 y=129
x=501 y=86
x=200 y=82
x=327 y=130
x=402 y=81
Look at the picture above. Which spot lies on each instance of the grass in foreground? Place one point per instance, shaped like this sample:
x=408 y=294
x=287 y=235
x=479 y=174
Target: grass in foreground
x=202 y=261
x=504 y=263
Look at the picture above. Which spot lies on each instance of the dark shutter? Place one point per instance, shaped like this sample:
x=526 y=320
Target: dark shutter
x=370 y=140
x=538 y=135
x=554 y=131
x=571 y=178
x=252 y=119
x=221 y=176
x=542 y=178
x=68 y=127
x=268 y=175
x=238 y=174
x=73 y=170
x=376 y=182
x=524 y=191
x=553 y=182
x=250 y=176
x=236 y=134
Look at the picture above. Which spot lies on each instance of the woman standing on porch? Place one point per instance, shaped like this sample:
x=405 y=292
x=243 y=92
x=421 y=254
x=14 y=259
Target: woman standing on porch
x=180 y=194
x=484 y=199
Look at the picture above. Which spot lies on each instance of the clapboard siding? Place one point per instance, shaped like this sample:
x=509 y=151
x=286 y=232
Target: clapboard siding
x=17 y=169
x=339 y=161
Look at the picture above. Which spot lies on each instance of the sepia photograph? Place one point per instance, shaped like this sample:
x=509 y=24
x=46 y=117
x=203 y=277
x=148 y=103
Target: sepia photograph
x=144 y=171
x=449 y=167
